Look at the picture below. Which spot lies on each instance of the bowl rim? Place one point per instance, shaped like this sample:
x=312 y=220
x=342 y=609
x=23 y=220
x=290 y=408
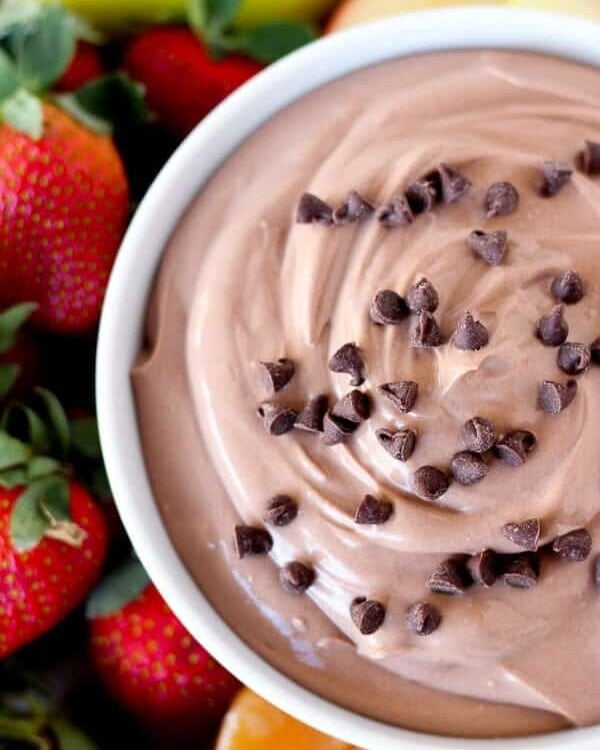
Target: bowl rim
x=121 y=326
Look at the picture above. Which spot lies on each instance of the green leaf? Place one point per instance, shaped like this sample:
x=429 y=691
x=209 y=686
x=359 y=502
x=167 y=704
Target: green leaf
x=117 y=590
x=9 y=80
x=24 y=113
x=11 y=320
x=55 y=497
x=12 y=452
x=8 y=375
x=59 y=423
x=69 y=737
x=110 y=102
x=18 y=13
x=70 y=104
x=25 y=422
x=43 y=50
x=211 y=17
x=41 y=466
x=270 y=41
x=84 y=437
x=28 y=522
x=42 y=503
x=10 y=478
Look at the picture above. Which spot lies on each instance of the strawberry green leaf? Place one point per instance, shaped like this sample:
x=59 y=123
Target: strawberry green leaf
x=69 y=737
x=41 y=466
x=10 y=478
x=117 y=590
x=270 y=41
x=42 y=50
x=23 y=421
x=210 y=18
x=9 y=80
x=18 y=13
x=13 y=452
x=10 y=322
x=85 y=439
x=24 y=113
x=28 y=522
x=107 y=103
x=55 y=498
x=59 y=424
x=8 y=375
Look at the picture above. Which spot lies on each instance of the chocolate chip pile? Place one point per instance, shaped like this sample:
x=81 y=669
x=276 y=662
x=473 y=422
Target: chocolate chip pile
x=479 y=440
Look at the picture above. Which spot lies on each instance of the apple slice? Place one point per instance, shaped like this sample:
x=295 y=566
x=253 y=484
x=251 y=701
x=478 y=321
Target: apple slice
x=588 y=8
x=352 y=12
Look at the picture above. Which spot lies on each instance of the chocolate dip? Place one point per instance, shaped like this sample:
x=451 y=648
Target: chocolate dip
x=242 y=282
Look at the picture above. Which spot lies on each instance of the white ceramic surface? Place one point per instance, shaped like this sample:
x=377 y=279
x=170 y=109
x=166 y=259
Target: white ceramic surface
x=124 y=311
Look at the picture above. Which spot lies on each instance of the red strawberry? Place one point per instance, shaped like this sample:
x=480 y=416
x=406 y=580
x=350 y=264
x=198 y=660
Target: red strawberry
x=40 y=585
x=183 y=82
x=85 y=66
x=151 y=664
x=63 y=207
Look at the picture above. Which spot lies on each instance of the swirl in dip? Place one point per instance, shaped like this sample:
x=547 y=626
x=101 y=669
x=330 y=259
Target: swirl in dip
x=242 y=282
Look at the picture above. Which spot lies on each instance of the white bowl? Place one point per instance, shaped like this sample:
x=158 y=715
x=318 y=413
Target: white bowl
x=125 y=308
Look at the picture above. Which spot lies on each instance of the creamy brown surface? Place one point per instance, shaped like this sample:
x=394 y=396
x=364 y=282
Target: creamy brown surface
x=241 y=282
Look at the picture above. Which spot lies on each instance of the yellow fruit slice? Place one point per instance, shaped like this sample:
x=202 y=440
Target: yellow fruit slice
x=254 y=12
x=588 y=8
x=352 y=12
x=119 y=16
x=253 y=724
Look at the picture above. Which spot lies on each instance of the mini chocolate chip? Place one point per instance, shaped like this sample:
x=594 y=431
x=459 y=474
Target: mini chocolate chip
x=490 y=246
x=373 y=511
x=280 y=510
x=399 y=444
x=296 y=577
x=554 y=397
x=453 y=184
x=337 y=430
x=422 y=296
x=553 y=329
x=520 y=571
x=349 y=359
x=449 y=577
x=396 y=214
x=596 y=571
x=574 y=546
x=367 y=614
x=470 y=335
x=468 y=467
x=353 y=407
x=590 y=157
x=525 y=534
x=514 y=447
x=425 y=331
x=430 y=482
x=483 y=568
x=276 y=375
x=423 y=618
x=422 y=195
x=313 y=210
x=277 y=419
x=388 y=308
x=574 y=358
x=568 y=287
x=355 y=208
x=501 y=199
x=478 y=435
x=403 y=394
x=595 y=350
x=311 y=417
x=554 y=177
x=250 y=540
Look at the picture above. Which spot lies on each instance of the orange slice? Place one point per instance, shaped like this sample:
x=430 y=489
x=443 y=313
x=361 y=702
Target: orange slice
x=253 y=724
